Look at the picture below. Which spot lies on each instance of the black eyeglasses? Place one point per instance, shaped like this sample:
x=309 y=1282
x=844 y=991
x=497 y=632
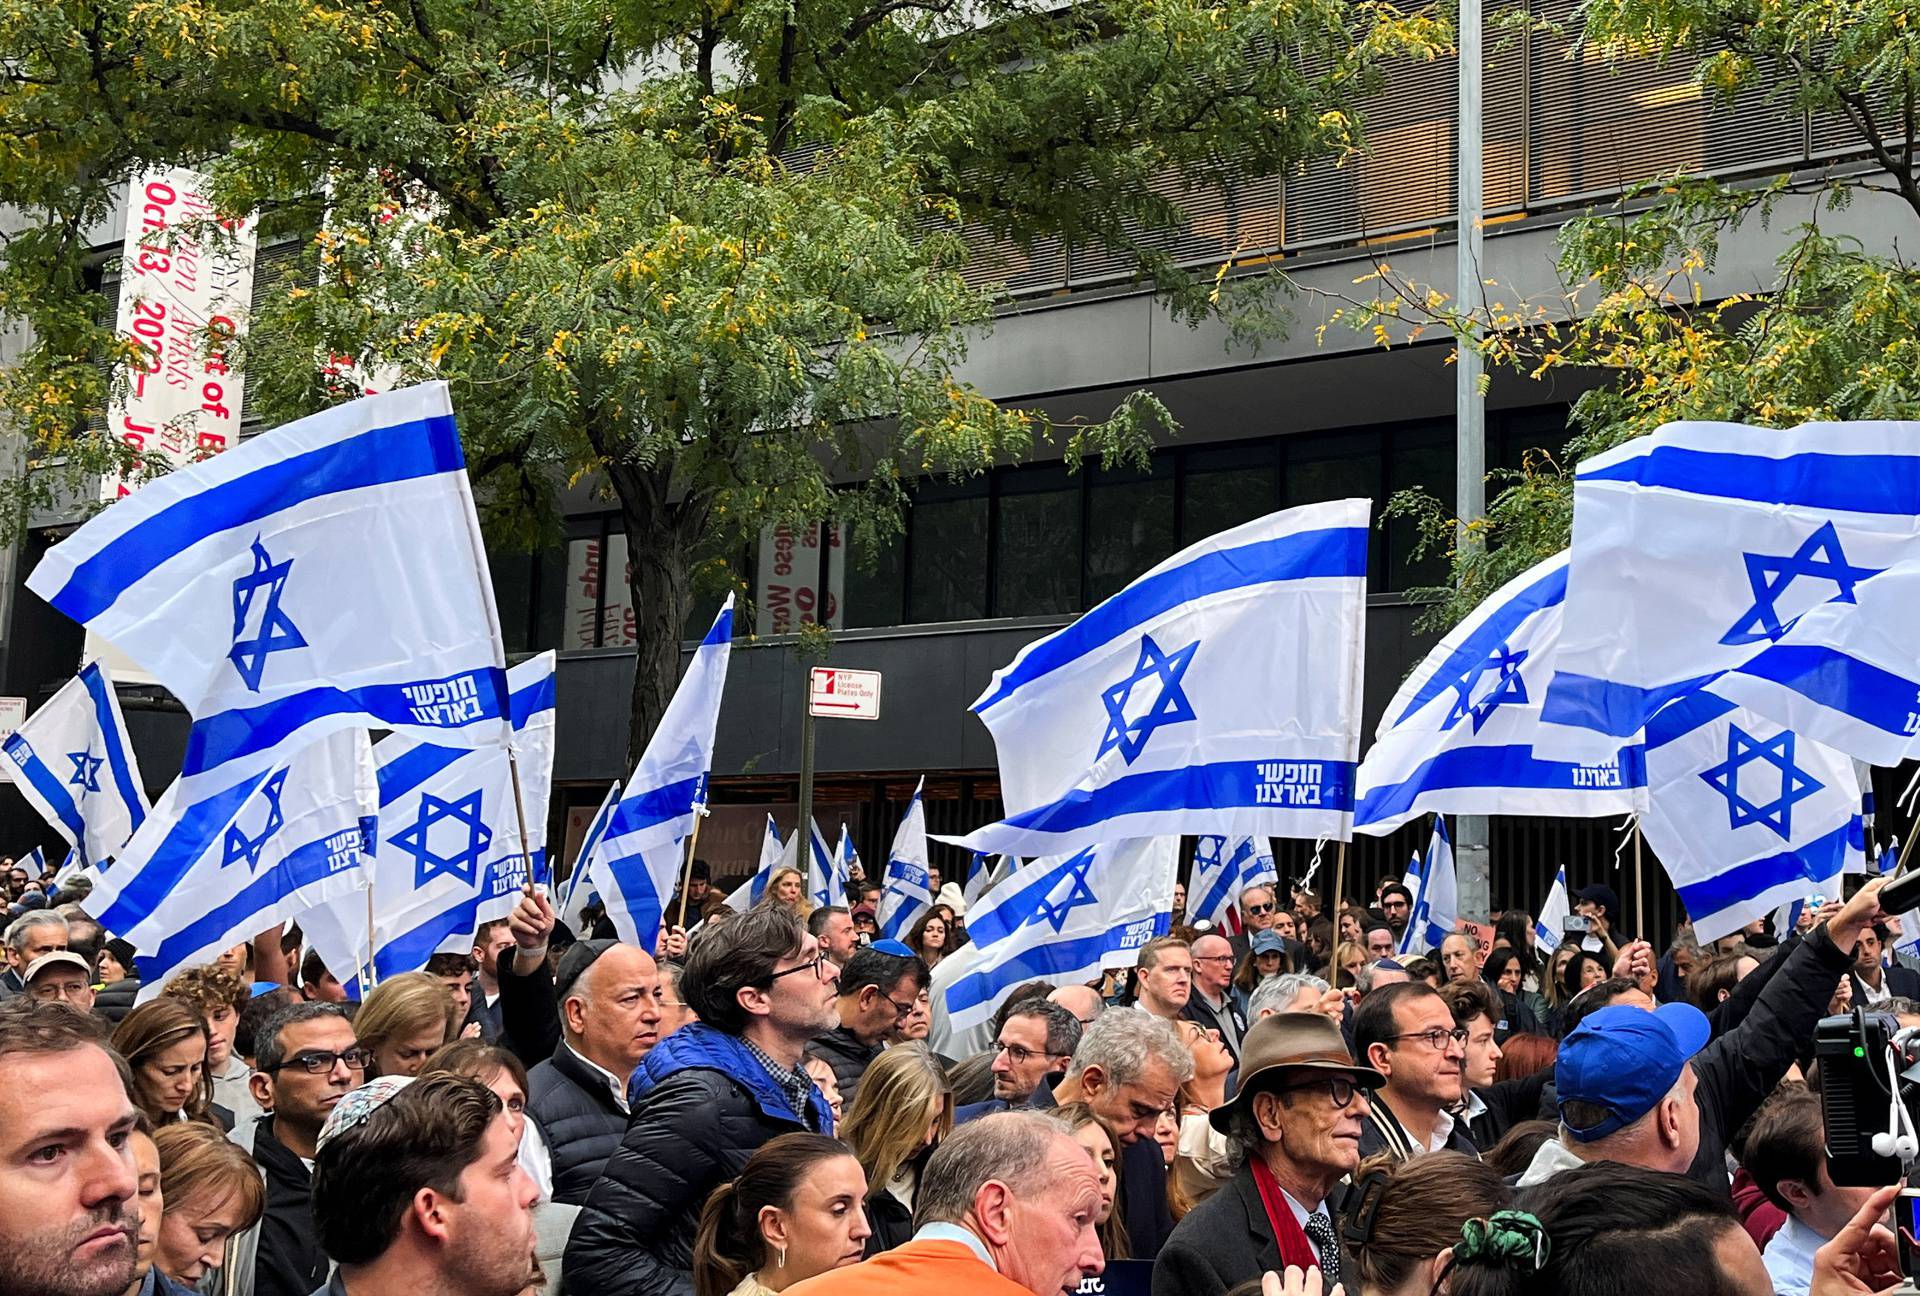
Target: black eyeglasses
x=318 y=1063
x=817 y=965
x=1436 y=1039
x=1339 y=1090
x=900 y=1010
x=1019 y=1054
x=1260 y=909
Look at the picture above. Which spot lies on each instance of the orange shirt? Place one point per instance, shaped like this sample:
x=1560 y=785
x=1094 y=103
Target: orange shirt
x=930 y=1266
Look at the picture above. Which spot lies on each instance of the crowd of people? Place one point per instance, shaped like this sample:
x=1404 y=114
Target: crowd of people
x=1283 y=1105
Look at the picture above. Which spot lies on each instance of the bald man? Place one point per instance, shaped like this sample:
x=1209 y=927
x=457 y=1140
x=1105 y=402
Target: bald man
x=1215 y=1003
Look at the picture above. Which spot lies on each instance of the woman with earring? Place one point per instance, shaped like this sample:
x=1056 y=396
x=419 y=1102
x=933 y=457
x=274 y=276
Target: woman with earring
x=794 y=1212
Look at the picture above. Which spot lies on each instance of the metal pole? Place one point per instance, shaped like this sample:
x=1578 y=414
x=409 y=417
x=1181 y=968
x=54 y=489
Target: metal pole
x=806 y=769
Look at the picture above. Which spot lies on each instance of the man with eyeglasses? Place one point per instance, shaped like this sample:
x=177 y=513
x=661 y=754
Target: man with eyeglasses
x=1036 y=1042
x=1407 y=1033
x=61 y=977
x=1396 y=906
x=1296 y=1125
x=1215 y=1003
x=705 y=1099
x=305 y=1060
x=878 y=987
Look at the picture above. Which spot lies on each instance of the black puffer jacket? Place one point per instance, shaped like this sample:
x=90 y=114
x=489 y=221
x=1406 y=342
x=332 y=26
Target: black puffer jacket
x=577 y=1114
x=288 y=1260
x=840 y=1049
x=115 y=1000
x=701 y=1106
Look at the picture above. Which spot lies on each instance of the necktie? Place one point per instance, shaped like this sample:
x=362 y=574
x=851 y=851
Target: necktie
x=1320 y=1232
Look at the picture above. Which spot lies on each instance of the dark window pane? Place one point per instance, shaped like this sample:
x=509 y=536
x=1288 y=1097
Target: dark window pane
x=1333 y=466
x=1039 y=537
x=513 y=596
x=1534 y=429
x=948 y=579
x=876 y=583
x=1129 y=525
x=549 y=614
x=1224 y=487
x=1421 y=457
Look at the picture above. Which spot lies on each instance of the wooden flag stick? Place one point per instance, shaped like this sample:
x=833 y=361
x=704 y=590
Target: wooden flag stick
x=686 y=867
x=1339 y=889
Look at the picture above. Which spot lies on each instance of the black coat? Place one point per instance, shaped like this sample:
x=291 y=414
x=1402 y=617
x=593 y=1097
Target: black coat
x=1224 y=1241
x=115 y=1000
x=288 y=1260
x=1901 y=982
x=579 y=1118
x=701 y=1107
x=848 y=1057
x=891 y=1221
x=1143 y=1198
x=529 y=1012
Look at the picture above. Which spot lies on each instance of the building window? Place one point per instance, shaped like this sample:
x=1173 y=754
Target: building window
x=1129 y=524
x=1420 y=455
x=1036 y=527
x=947 y=553
x=1221 y=488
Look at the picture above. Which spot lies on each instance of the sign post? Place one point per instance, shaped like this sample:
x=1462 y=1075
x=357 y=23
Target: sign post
x=839 y=694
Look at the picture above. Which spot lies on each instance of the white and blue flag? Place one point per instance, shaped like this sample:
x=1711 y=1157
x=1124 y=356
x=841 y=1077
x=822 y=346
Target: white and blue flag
x=1222 y=869
x=326 y=575
x=638 y=865
x=1458 y=736
x=200 y=877
x=73 y=763
x=1065 y=919
x=1436 y=908
x=1414 y=880
x=990 y=873
x=1218 y=693
x=1847 y=673
x=579 y=891
x=1698 y=546
x=1745 y=815
x=1549 y=929
x=450 y=855
x=773 y=855
x=826 y=878
x=846 y=857
x=904 y=891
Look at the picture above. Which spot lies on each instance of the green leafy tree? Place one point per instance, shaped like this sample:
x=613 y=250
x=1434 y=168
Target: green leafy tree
x=1832 y=337
x=705 y=254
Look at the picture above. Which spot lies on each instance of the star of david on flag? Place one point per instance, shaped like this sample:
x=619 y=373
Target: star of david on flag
x=1697 y=546
x=328 y=574
x=273 y=630
x=73 y=763
x=1771 y=576
x=301 y=829
x=1217 y=693
x=1167 y=704
x=1065 y=919
x=1743 y=815
x=1493 y=666
x=1790 y=784
x=450 y=855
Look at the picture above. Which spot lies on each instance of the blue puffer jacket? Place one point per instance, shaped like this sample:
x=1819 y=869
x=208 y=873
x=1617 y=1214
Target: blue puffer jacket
x=701 y=1106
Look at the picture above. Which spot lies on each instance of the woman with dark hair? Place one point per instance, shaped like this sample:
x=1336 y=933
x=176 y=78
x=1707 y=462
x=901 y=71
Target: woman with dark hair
x=793 y=1212
x=1583 y=970
x=930 y=937
x=500 y=1070
x=1515 y=929
x=1266 y=957
x=1103 y=1145
x=1503 y=970
x=165 y=1043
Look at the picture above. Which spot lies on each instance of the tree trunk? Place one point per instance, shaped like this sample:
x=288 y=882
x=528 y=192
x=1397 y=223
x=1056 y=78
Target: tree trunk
x=659 y=579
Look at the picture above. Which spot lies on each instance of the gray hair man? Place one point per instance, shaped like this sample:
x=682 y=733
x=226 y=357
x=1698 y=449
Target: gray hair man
x=1291 y=992
x=1007 y=1204
x=29 y=937
x=1129 y=1069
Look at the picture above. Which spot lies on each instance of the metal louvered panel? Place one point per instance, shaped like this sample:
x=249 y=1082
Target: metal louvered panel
x=1598 y=123
x=1032 y=269
x=1228 y=218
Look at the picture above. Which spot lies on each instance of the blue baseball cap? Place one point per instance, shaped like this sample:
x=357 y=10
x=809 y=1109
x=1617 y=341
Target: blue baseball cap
x=1268 y=942
x=1625 y=1060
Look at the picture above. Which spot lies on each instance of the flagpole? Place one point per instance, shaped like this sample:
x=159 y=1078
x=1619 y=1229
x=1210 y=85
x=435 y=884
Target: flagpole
x=1906 y=848
x=686 y=867
x=1339 y=889
x=1639 y=887
x=372 y=977
x=520 y=816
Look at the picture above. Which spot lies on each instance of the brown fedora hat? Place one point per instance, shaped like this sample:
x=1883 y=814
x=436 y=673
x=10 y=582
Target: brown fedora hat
x=1294 y=1041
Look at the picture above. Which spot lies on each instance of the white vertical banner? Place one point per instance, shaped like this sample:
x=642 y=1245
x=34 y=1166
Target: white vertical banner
x=177 y=284
x=802 y=574
x=599 y=603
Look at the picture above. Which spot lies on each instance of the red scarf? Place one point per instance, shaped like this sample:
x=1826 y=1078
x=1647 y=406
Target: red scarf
x=1292 y=1239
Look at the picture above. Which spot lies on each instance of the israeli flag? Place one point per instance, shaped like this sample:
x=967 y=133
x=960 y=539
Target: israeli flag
x=772 y=855
x=1549 y=929
x=1218 y=693
x=1436 y=906
x=638 y=865
x=904 y=893
x=845 y=856
x=1066 y=919
x=75 y=766
x=1846 y=674
x=1745 y=815
x=1458 y=736
x=326 y=575
x=1414 y=880
x=991 y=873
x=826 y=880
x=450 y=855
x=1697 y=547
x=579 y=891
x=199 y=877
x=1221 y=871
